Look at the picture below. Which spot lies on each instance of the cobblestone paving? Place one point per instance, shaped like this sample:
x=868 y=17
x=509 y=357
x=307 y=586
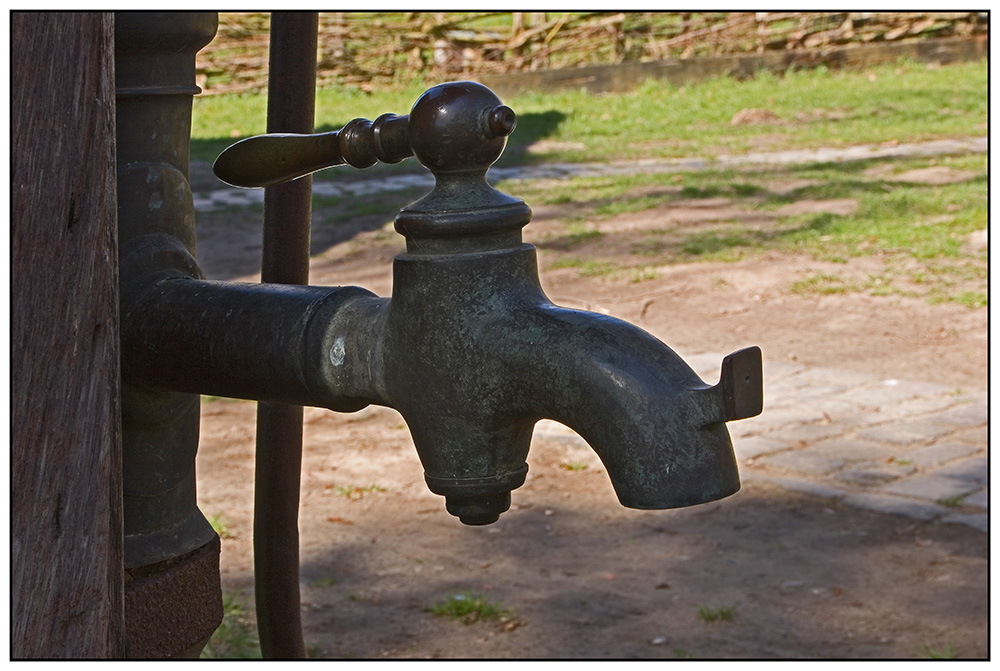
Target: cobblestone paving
x=893 y=446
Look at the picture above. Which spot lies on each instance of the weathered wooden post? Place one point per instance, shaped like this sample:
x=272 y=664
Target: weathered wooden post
x=66 y=516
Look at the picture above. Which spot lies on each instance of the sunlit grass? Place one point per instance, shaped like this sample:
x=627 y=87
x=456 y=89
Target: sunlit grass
x=236 y=637
x=902 y=102
x=469 y=607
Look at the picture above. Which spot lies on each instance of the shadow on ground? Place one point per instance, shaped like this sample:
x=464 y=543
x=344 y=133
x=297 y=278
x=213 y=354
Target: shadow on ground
x=584 y=577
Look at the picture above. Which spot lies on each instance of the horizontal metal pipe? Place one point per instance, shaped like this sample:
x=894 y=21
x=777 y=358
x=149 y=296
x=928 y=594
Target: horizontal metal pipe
x=267 y=342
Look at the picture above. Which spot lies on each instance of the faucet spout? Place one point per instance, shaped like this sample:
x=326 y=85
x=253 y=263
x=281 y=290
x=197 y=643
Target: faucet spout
x=479 y=354
x=657 y=427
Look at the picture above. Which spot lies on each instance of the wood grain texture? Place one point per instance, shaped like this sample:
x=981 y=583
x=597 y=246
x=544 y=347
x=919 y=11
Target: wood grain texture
x=66 y=525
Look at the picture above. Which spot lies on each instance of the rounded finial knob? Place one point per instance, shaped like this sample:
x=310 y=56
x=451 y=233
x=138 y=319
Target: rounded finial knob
x=459 y=127
x=502 y=121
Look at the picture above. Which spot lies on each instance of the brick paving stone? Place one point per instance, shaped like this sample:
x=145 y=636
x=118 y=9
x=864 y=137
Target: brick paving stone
x=932 y=487
x=979 y=521
x=975 y=469
x=755 y=446
x=745 y=429
x=854 y=449
x=888 y=392
x=779 y=369
x=916 y=407
x=875 y=473
x=772 y=419
x=801 y=461
x=785 y=388
x=980 y=499
x=940 y=453
x=707 y=365
x=844 y=411
x=779 y=399
x=818 y=393
x=810 y=487
x=804 y=434
x=834 y=377
x=792 y=379
x=894 y=505
x=926 y=389
x=881 y=392
x=965 y=415
x=905 y=433
x=980 y=436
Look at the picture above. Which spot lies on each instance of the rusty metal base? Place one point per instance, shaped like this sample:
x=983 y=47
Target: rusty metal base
x=172 y=608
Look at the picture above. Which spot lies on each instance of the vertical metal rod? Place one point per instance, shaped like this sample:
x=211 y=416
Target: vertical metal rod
x=291 y=102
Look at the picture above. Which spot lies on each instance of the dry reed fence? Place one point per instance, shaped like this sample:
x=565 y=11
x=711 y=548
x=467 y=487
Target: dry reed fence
x=368 y=49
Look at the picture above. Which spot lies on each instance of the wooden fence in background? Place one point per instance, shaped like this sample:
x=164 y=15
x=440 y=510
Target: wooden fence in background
x=368 y=49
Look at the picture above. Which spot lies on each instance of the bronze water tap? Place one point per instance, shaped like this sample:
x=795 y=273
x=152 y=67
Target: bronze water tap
x=468 y=349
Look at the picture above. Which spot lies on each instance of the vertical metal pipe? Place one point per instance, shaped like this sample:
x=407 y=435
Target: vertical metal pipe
x=287 y=210
x=173 y=597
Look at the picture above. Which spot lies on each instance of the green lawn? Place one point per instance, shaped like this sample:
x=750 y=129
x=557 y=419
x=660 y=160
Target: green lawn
x=919 y=229
x=904 y=102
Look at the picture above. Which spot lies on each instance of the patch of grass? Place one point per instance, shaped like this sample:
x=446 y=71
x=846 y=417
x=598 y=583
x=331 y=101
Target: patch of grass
x=717 y=244
x=355 y=491
x=236 y=636
x=951 y=502
x=746 y=190
x=947 y=652
x=820 y=283
x=335 y=210
x=833 y=184
x=580 y=231
x=327 y=581
x=559 y=199
x=469 y=607
x=627 y=204
x=652 y=246
x=828 y=283
x=574 y=466
x=642 y=274
x=221 y=525
x=587 y=267
x=971 y=299
x=681 y=653
x=322 y=201
x=658 y=119
x=722 y=614
x=694 y=192
x=926 y=222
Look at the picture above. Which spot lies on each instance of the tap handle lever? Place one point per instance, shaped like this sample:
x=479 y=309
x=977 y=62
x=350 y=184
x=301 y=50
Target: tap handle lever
x=741 y=384
x=265 y=160
x=453 y=128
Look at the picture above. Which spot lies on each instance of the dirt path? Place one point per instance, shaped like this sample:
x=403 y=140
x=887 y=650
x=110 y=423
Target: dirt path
x=582 y=576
